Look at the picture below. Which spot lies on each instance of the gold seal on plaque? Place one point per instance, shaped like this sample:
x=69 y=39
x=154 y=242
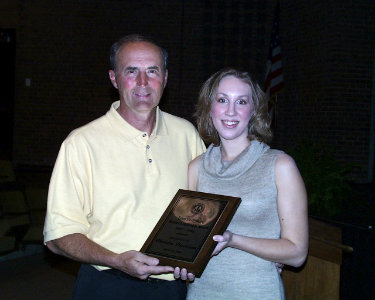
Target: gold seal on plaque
x=196 y=211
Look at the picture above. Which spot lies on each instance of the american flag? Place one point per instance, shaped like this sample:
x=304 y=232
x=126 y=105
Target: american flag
x=274 y=80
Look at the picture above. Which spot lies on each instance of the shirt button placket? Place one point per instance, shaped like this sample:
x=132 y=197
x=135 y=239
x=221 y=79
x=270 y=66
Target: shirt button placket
x=148 y=154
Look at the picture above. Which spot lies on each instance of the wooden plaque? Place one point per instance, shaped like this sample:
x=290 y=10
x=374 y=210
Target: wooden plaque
x=183 y=235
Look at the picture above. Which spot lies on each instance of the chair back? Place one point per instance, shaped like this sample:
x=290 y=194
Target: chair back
x=7 y=173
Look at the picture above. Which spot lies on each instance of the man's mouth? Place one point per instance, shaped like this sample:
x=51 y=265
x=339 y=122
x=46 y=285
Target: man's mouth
x=142 y=94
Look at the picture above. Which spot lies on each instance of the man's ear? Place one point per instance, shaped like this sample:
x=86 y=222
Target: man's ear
x=112 y=77
x=165 y=78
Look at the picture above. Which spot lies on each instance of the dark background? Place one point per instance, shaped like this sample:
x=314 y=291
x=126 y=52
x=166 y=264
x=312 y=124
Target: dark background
x=61 y=48
x=54 y=78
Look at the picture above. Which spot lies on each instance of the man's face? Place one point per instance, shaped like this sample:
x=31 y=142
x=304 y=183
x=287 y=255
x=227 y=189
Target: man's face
x=140 y=78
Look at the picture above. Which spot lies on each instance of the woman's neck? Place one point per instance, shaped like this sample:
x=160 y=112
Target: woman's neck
x=231 y=149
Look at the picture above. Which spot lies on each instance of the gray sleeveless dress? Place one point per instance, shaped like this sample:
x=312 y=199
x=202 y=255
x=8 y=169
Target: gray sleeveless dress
x=236 y=274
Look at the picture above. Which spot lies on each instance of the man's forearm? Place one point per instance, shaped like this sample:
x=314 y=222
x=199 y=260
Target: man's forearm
x=78 y=247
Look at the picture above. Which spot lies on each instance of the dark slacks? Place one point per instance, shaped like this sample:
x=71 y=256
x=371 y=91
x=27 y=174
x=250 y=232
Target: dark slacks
x=114 y=284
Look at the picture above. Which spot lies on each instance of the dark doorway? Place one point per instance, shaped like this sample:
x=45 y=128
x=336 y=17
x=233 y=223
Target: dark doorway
x=7 y=72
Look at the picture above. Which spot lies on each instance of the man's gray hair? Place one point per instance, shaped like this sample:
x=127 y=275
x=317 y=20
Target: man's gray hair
x=131 y=39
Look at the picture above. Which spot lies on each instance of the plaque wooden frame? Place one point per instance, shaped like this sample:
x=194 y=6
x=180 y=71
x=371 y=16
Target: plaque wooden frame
x=186 y=242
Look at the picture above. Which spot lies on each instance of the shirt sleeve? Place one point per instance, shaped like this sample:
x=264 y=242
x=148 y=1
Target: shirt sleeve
x=68 y=202
x=200 y=147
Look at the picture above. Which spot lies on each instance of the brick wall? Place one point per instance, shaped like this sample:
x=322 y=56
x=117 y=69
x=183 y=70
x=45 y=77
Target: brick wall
x=62 y=46
x=328 y=57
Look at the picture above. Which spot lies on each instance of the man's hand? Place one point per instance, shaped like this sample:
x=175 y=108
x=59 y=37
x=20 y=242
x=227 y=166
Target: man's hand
x=183 y=274
x=139 y=265
x=80 y=248
x=223 y=241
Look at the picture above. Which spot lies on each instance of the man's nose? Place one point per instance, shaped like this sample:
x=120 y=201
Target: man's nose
x=142 y=79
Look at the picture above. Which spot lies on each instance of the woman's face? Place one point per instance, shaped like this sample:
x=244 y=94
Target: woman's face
x=232 y=108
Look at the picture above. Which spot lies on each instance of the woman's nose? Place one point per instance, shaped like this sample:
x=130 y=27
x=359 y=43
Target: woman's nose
x=231 y=110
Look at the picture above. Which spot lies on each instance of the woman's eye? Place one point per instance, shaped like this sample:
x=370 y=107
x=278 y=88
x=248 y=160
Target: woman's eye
x=242 y=101
x=221 y=100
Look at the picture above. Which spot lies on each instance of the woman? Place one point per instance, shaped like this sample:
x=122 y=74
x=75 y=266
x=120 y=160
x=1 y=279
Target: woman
x=271 y=223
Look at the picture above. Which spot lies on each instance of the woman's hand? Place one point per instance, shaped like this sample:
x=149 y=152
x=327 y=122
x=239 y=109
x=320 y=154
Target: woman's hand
x=279 y=267
x=183 y=274
x=223 y=241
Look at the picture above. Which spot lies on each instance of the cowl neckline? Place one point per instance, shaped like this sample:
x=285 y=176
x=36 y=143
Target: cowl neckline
x=216 y=167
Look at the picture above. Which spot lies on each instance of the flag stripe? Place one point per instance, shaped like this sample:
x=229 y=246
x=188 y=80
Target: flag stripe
x=274 y=79
x=277 y=73
x=276 y=51
x=276 y=64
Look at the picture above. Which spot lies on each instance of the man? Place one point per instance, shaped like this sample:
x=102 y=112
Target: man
x=113 y=179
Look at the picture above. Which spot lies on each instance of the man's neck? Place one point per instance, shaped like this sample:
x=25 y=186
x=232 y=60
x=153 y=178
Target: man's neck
x=141 y=121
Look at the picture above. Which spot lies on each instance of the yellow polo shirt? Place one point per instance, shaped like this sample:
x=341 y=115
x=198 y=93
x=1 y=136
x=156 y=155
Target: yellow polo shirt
x=112 y=182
